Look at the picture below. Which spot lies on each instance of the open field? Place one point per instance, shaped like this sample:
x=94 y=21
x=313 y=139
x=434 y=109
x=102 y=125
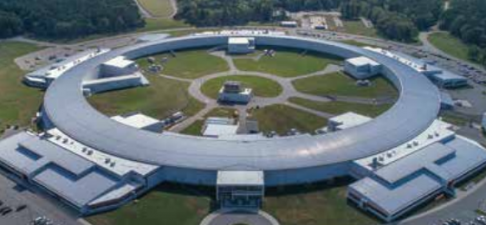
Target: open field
x=342 y=107
x=357 y=27
x=196 y=127
x=261 y=86
x=153 y=24
x=450 y=45
x=281 y=118
x=341 y=84
x=314 y=204
x=287 y=62
x=188 y=64
x=157 y=8
x=162 y=98
x=18 y=103
x=167 y=204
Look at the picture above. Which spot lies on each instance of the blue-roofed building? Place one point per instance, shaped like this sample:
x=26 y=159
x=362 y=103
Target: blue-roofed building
x=396 y=189
x=79 y=182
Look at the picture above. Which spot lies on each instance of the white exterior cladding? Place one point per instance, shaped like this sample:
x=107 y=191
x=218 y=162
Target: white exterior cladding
x=241 y=45
x=361 y=67
x=286 y=160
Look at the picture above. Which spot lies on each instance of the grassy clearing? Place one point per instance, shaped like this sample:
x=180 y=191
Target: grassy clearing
x=18 y=103
x=357 y=27
x=196 y=128
x=168 y=204
x=341 y=84
x=153 y=24
x=162 y=98
x=157 y=8
x=342 y=107
x=188 y=64
x=287 y=62
x=261 y=86
x=314 y=204
x=450 y=45
x=281 y=118
x=455 y=119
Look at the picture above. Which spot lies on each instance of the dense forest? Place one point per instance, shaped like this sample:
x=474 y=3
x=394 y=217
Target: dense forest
x=395 y=19
x=67 y=18
x=466 y=20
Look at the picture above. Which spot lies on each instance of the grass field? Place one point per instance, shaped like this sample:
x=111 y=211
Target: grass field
x=168 y=204
x=162 y=98
x=18 y=103
x=357 y=27
x=342 y=107
x=153 y=24
x=188 y=64
x=314 y=204
x=196 y=128
x=281 y=118
x=157 y=8
x=341 y=84
x=450 y=45
x=287 y=62
x=261 y=86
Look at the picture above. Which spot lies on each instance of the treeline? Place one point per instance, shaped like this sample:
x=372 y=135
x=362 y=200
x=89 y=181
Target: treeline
x=59 y=19
x=395 y=19
x=466 y=19
x=240 y=12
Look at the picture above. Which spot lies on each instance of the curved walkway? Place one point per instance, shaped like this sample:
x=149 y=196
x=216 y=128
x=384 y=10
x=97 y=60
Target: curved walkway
x=288 y=91
x=230 y=217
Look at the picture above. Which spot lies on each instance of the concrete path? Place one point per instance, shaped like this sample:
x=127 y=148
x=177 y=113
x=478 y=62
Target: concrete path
x=230 y=217
x=288 y=91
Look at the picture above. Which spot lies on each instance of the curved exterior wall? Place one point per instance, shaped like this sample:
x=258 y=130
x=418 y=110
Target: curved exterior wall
x=285 y=160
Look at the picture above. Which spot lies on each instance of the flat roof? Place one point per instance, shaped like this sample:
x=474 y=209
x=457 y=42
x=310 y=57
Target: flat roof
x=238 y=40
x=240 y=178
x=120 y=62
x=137 y=120
x=362 y=61
x=349 y=119
x=216 y=130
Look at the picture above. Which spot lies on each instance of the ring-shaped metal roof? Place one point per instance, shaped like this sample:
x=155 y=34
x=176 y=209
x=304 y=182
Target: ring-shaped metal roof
x=414 y=111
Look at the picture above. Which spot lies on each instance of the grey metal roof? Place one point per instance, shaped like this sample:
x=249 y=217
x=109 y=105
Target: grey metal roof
x=416 y=108
x=408 y=180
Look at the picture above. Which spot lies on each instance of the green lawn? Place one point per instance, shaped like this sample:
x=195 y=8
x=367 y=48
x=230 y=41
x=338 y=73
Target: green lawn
x=262 y=87
x=341 y=84
x=282 y=118
x=157 y=8
x=287 y=62
x=196 y=128
x=357 y=27
x=153 y=24
x=450 y=45
x=188 y=64
x=314 y=204
x=342 y=107
x=455 y=119
x=18 y=103
x=168 y=204
x=162 y=98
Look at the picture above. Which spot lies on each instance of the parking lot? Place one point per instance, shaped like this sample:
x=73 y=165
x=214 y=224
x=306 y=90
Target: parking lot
x=21 y=205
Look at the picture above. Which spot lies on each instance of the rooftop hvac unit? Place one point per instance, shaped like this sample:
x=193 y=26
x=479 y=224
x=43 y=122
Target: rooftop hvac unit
x=112 y=164
x=90 y=152
x=84 y=149
x=107 y=160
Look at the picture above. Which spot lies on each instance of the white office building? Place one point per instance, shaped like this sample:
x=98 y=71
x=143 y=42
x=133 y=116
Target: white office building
x=361 y=67
x=140 y=121
x=241 y=45
x=232 y=92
